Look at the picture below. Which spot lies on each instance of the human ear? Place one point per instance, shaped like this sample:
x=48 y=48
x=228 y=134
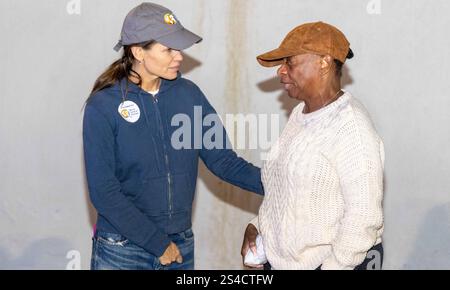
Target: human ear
x=325 y=64
x=138 y=53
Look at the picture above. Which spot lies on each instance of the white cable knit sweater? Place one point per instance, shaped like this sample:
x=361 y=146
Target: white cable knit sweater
x=324 y=189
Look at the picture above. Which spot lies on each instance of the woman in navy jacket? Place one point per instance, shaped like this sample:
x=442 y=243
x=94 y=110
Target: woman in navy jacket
x=141 y=181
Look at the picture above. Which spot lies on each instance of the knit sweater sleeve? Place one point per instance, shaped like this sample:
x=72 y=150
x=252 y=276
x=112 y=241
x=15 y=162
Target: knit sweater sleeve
x=359 y=160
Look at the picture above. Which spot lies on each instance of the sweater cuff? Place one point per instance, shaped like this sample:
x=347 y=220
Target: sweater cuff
x=157 y=245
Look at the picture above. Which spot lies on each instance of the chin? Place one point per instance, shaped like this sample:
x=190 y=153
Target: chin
x=290 y=95
x=294 y=97
x=171 y=77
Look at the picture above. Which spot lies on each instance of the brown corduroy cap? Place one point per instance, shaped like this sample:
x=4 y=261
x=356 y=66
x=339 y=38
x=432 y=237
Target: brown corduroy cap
x=316 y=38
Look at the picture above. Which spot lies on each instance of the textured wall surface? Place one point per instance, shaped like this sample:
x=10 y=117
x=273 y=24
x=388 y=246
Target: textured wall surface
x=50 y=56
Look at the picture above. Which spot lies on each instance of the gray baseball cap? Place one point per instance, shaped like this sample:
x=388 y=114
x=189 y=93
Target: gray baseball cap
x=150 y=21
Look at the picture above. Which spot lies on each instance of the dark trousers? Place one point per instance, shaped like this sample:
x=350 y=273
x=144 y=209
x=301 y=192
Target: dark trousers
x=373 y=261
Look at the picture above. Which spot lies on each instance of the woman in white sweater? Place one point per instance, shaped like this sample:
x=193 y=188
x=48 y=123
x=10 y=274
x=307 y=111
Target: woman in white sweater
x=323 y=180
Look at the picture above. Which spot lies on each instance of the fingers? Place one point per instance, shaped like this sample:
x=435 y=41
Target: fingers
x=244 y=248
x=254 y=266
x=251 y=232
x=167 y=262
x=172 y=254
x=253 y=247
x=177 y=255
x=244 y=252
x=164 y=261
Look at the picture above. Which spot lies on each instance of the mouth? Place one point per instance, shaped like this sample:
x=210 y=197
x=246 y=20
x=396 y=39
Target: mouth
x=286 y=85
x=175 y=68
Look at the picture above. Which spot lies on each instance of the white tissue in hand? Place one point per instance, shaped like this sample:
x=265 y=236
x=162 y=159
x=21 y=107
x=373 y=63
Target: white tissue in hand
x=260 y=257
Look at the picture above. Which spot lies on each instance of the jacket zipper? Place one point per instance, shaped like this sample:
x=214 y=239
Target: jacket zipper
x=169 y=180
x=169 y=177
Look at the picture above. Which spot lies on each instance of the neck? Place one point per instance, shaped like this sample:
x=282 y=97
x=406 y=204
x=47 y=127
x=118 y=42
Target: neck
x=323 y=97
x=149 y=83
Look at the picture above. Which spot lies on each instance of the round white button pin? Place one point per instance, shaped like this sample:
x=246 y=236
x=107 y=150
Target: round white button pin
x=129 y=111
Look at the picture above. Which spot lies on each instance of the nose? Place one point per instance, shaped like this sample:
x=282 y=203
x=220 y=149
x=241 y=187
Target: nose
x=282 y=70
x=178 y=56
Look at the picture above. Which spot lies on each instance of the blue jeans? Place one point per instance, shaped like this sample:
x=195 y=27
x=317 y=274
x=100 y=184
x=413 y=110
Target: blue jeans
x=115 y=252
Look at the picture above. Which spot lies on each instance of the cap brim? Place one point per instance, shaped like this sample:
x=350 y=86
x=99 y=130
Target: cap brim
x=275 y=57
x=180 y=39
x=118 y=46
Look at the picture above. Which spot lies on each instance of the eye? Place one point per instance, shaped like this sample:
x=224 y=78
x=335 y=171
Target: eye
x=288 y=61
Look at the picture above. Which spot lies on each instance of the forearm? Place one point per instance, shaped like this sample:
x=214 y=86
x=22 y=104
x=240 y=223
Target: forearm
x=228 y=166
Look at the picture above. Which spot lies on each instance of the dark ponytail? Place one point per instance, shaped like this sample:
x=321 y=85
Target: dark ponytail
x=122 y=68
x=338 y=64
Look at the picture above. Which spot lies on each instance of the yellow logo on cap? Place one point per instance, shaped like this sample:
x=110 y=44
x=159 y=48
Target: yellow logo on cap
x=169 y=19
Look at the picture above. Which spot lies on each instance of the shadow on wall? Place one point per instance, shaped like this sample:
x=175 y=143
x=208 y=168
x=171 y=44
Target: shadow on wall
x=431 y=250
x=189 y=64
x=346 y=79
x=287 y=103
x=272 y=85
x=46 y=254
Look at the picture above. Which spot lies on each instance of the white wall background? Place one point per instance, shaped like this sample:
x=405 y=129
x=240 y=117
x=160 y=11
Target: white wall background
x=49 y=60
